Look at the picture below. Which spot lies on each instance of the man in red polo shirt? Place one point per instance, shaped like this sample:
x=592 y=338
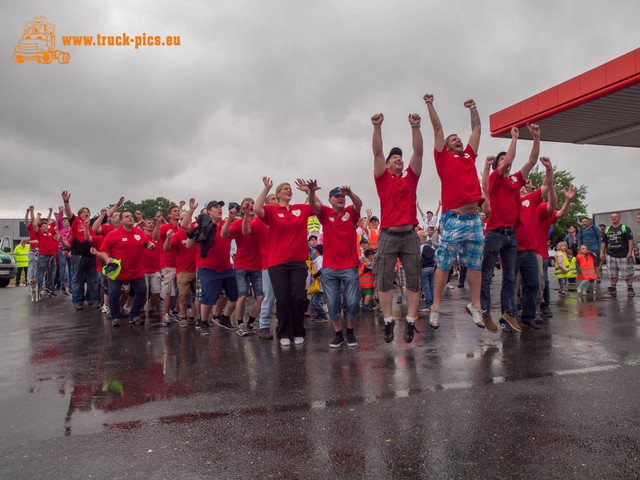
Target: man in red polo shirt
x=398 y=238
x=460 y=223
x=48 y=243
x=503 y=190
x=185 y=270
x=246 y=265
x=168 y=260
x=125 y=243
x=340 y=279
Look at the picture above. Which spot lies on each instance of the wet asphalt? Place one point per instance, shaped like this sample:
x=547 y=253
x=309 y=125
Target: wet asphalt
x=80 y=399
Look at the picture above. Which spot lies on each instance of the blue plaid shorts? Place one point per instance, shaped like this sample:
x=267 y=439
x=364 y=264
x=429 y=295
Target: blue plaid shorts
x=461 y=235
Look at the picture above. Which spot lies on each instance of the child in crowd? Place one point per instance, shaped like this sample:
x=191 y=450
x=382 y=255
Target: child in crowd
x=367 y=279
x=571 y=273
x=362 y=247
x=320 y=315
x=585 y=265
x=562 y=266
x=428 y=254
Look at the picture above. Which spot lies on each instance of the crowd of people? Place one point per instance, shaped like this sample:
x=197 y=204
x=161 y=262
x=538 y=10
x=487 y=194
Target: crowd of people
x=199 y=267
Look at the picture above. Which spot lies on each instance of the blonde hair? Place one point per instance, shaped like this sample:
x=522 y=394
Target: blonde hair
x=560 y=244
x=423 y=236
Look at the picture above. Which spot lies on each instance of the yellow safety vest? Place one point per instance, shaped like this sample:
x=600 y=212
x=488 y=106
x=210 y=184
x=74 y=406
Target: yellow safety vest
x=313 y=224
x=565 y=262
x=572 y=272
x=21 y=255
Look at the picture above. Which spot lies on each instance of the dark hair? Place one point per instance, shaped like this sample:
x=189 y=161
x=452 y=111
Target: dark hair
x=171 y=207
x=319 y=248
x=497 y=159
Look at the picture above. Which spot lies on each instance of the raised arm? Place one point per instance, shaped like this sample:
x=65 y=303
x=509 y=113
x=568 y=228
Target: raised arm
x=114 y=208
x=552 y=204
x=418 y=145
x=568 y=197
x=419 y=209
x=67 y=206
x=49 y=216
x=547 y=184
x=166 y=246
x=486 y=173
x=439 y=206
x=97 y=225
x=474 y=138
x=258 y=205
x=156 y=228
x=87 y=233
x=438 y=133
x=224 y=231
x=357 y=202
x=186 y=221
x=511 y=154
x=379 y=164
x=310 y=187
x=535 y=150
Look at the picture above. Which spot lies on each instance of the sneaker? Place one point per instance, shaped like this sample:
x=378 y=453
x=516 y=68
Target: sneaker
x=265 y=333
x=611 y=289
x=105 y=309
x=175 y=316
x=78 y=306
x=538 y=319
x=298 y=340
x=337 y=340
x=351 y=340
x=505 y=326
x=64 y=291
x=530 y=323
x=512 y=321
x=115 y=322
x=204 y=329
x=562 y=294
x=546 y=312
x=137 y=320
x=476 y=315
x=434 y=318
x=409 y=329
x=424 y=310
x=388 y=331
x=450 y=286
x=285 y=342
x=399 y=300
x=489 y=324
x=199 y=323
x=225 y=322
x=166 y=320
x=320 y=319
x=251 y=327
x=630 y=291
x=184 y=323
x=366 y=308
x=242 y=330
x=192 y=321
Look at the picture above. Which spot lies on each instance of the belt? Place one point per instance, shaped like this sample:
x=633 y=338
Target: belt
x=398 y=234
x=503 y=230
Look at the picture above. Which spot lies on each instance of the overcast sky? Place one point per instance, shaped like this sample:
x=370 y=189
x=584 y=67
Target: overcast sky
x=286 y=88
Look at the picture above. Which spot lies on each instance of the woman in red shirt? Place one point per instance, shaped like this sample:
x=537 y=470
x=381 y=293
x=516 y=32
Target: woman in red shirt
x=287 y=255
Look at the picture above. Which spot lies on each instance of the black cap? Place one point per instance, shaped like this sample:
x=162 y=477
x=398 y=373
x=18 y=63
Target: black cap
x=215 y=203
x=496 y=160
x=394 y=151
x=369 y=251
x=234 y=204
x=334 y=191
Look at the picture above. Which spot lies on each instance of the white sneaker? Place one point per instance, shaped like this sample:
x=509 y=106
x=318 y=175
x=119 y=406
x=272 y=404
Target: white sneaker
x=476 y=315
x=105 y=309
x=450 y=286
x=434 y=318
x=166 y=320
x=298 y=340
x=285 y=341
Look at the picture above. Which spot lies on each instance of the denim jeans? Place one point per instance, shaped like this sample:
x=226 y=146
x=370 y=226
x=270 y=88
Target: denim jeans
x=341 y=291
x=32 y=269
x=506 y=246
x=83 y=270
x=426 y=279
x=46 y=264
x=527 y=265
x=137 y=288
x=545 y=294
x=64 y=269
x=316 y=303
x=267 y=302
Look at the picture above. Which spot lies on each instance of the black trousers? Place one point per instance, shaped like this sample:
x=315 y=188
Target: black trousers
x=288 y=281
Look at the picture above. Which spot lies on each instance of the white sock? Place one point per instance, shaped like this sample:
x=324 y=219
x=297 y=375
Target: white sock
x=388 y=320
x=411 y=319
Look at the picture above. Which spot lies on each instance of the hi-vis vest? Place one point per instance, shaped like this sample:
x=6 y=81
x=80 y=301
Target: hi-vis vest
x=587 y=270
x=373 y=239
x=313 y=224
x=21 y=255
x=572 y=272
x=565 y=262
x=366 y=278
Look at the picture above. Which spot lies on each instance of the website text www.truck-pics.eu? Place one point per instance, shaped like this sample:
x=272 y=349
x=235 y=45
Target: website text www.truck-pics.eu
x=122 y=40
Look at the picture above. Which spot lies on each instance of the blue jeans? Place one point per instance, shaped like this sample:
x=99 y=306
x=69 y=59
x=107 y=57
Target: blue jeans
x=244 y=277
x=267 y=302
x=137 y=288
x=46 y=264
x=527 y=265
x=506 y=246
x=316 y=303
x=83 y=270
x=32 y=269
x=341 y=286
x=64 y=269
x=426 y=279
x=545 y=295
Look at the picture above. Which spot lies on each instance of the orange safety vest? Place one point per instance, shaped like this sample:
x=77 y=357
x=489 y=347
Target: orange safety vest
x=587 y=270
x=373 y=239
x=366 y=279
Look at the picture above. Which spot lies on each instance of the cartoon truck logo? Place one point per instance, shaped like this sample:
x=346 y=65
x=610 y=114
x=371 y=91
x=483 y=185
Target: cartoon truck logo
x=38 y=43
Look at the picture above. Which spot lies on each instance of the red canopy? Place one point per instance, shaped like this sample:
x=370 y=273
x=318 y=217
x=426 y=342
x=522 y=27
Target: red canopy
x=600 y=107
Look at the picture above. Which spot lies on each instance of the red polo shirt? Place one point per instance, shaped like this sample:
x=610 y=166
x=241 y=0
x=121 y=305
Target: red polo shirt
x=248 y=253
x=287 y=233
x=458 y=178
x=127 y=247
x=185 y=257
x=397 y=198
x=258 y=226
x=167 y=259
x=544 y=224
x=527 y=232
x=340 y=237
x=48 y=245
x=504 y=193
x=219 y=255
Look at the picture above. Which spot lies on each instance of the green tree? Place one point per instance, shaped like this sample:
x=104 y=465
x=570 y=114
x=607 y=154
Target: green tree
x=148 y=207
x=562 y=180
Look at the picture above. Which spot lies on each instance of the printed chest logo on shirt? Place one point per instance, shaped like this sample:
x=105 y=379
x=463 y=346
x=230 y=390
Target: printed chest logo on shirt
x=296 y=212
x=345 y=217
x=281 y=215
x=125 y=239
x=137 y=237
x=526 y=203
x=513 y=179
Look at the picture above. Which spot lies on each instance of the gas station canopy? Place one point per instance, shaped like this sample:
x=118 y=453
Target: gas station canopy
x=599 y=107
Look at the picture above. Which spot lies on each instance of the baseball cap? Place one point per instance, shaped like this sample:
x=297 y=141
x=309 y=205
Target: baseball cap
x=394 y=151
x=215 y=203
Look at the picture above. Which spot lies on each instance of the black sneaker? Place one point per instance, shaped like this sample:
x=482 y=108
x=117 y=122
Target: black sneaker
x=630 y=291
x=137 y=320
x=351 y=340
x=204 y=329
x=115 y=322
x=224 y=322
x=409 y=329
x=78 y=306
x=251 y=327
x=611 y=289
x=199 y=323
x=388 y=331
x=337 y=340
x=546 y=312
x=265 y=333
x=505 y=326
